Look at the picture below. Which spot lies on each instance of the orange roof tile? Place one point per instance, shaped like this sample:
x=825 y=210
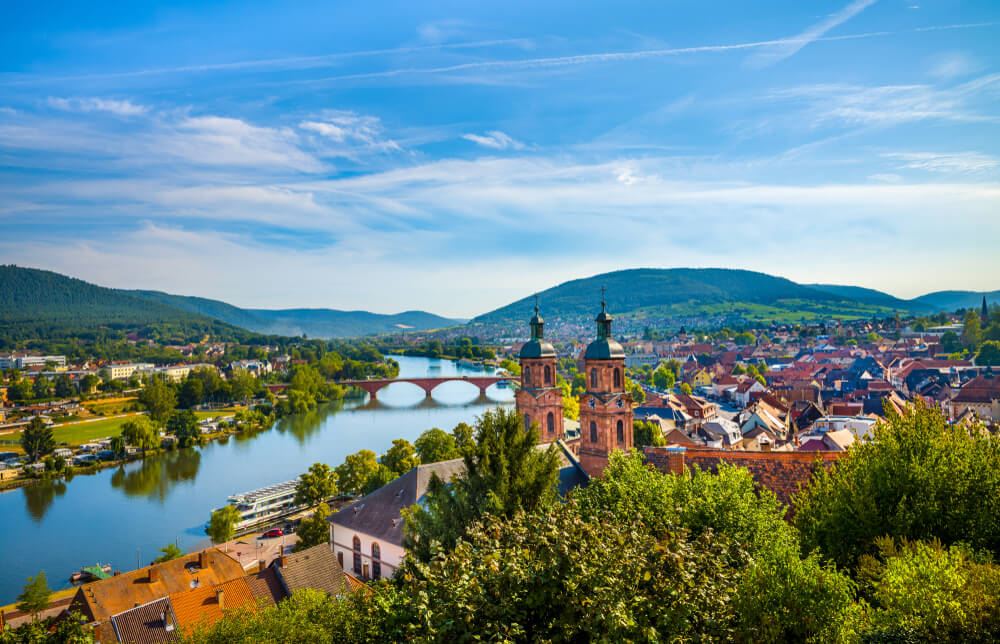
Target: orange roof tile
x=200 y=606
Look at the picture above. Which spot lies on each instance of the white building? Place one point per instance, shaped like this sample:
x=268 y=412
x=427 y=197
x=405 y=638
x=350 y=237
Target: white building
x=124 y=371
x=15 y=361
x=860 y=426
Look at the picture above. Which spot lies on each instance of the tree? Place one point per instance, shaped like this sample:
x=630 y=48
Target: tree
x=159 y=398
x=647 y=432
x=315 y=529
x=170 y=552
x=184 y=425
x=663 y=378
x=401 y=457
x=465 y=436
x=243 y=384
x=378 y=478
x=686 y=388
x=972 y=330
x=635 y=389
x=37 y=440
x=357 y=468
x=989 y=353
x=118 y=446
x=316 y=485
x=192 y=392
x=42 y=388
x=141 y=433
x=744 y=338
x=64 y=386
x=436 y=445
x=504 y=474
x=918 y=478
x=222 y=524
x=88 y=384
x=34 y=598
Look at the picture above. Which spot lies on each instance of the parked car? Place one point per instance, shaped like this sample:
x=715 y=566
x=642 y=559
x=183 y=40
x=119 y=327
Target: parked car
x=273 y=533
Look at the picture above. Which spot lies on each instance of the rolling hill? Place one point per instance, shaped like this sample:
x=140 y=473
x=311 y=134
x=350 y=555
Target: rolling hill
x=952 y=300
x=36 y=301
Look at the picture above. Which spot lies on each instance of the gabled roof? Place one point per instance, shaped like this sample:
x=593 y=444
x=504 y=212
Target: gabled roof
x=201 y=607
x=150 y=623
x=315 y=568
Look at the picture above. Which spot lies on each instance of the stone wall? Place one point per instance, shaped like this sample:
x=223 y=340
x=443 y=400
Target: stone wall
x=781 y=472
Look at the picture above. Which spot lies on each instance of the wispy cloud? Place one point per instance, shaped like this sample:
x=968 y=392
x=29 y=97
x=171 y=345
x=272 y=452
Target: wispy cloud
x=495 y=139
x=109 y=105
x=949 y=163
x=351 y=129
x=952 y=64
x=810 y=35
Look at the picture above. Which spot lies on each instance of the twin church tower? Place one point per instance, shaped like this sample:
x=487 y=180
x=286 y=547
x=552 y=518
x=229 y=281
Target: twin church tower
x=605 y=406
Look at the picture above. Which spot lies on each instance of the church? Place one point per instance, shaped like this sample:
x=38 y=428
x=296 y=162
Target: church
x=605 y=406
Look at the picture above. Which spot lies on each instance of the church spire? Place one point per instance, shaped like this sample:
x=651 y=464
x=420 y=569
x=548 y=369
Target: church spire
x=537 y=323
x=603 y=319
x=986 y=312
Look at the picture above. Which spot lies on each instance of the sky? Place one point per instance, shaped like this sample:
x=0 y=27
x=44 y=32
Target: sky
x=455 y=156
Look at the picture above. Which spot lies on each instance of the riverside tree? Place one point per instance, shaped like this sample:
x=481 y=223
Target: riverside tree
x=401 y=457
x=316 y=485
x=37 y=440
x=159 y=398
x=141 y=433
x=314 y=529
x=34 y=598
x=222 y=524
x=436 y=445
x=353 y=474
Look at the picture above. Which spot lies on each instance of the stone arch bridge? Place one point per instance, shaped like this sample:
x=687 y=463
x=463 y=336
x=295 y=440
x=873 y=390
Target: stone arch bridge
x=375 y=385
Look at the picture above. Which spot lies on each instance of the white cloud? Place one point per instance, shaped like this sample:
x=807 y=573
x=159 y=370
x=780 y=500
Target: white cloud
x=886 y=177
x=791 y=46
x=352 y=129
x=949 y=163
x=109 y=105
x=952 y=64
x=495 y=140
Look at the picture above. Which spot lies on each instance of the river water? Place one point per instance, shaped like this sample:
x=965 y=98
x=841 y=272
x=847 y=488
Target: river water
x=124 y=515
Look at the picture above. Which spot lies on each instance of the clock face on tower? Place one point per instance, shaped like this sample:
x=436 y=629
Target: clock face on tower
x=621 y=403
x=592 y=403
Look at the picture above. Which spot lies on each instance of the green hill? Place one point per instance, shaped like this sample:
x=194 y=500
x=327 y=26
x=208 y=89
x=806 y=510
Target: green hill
x=681 y=292
x=953 y=300
x=861 y=294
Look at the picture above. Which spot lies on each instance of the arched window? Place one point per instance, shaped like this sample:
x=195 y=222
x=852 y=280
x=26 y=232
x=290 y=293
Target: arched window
x=550 y=423
x=377 y=561
x=527 y=421
x=621 y=432
x=593 y=431
x=618 y=378
x=357 y=555
x=527 y=375
x=548 y=375
x=593 y=378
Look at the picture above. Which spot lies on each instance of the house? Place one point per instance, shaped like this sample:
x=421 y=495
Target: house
x=835 y=441
x=746 y=389
x=721 y=433
x=203 y=605
x=368 y=534
x=98 y=601
x=981 y=396
x=699 y=409
x=859 y=426
x=316 y=568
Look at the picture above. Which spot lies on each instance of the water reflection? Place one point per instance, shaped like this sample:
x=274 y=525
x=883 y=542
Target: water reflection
x=302 y=426
x=38 y=497
x=429 y=402
x=155 y=476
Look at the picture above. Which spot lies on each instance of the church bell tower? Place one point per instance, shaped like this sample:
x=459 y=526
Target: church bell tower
x=539 y=399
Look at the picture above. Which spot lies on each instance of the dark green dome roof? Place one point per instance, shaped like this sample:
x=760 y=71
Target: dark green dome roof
x=604 y=349
x=537 y=348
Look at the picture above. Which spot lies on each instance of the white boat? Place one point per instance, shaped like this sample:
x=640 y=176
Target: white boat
x=271 y=502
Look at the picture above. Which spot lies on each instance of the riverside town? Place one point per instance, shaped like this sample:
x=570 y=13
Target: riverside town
x=526 y=323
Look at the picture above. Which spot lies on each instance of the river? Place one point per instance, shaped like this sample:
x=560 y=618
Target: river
x=124 y=515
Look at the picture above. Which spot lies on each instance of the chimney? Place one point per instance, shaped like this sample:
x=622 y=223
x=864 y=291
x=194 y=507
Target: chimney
x=220 y=596
x=154 y=574
x=203 y=559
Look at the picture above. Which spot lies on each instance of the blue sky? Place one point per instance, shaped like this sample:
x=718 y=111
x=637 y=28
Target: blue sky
x=453 y=156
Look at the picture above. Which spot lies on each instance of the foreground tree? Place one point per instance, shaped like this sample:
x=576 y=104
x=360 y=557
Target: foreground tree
x=314 y=529
x=141 y=433
x=919 y=478
x=353 y=474
x=401 y=457
x=34 y=598
x=316 y=485
x=37 y=440
x=504 y=474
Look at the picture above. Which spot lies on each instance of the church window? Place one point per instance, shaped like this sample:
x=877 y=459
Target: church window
x=550 y=422
x=376 y=561
x=527 y=375
x=527 y=421
x=618 y=378
x=357 y=555
x=593 y=378
x=548 y=375
x=593 y=431
x=621 y=432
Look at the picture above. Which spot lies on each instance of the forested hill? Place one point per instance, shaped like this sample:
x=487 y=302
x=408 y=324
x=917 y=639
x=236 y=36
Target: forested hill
x=654 y=288
x=42 y=304
x=951 y=300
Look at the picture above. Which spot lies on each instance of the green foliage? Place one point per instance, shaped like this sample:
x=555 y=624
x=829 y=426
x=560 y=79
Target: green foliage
x=465 y=437
x=647 y=432
x=436 y=445
x=972 y=330
x=141 y=433
x=70 y=628
x=923 y=591
x=744 y=338
x=314 y=529
x=169 y=553
x=401 y=457
x=919 y=478
x=504 y=474
x=686 y=388
x=37 y=440
x=222 y=524
x=989 y=353
x=159 y=398
x=34 y=598
x=635 y=390
x=353 y=474
x=184 y=425
x=664 y=377
x=316 y=485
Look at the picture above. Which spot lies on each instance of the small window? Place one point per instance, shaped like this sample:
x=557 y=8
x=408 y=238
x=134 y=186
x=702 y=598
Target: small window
x=621 y=432
x=340 y=559
x=527 y=421
x=550 y=423
x=593 y=378
x=548 y=375
x=357 y=556
x=376 y=562
x=527 y=375
x=593 y=432
x=618 y=378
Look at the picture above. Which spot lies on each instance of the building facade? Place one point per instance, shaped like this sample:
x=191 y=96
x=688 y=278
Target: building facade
x=539 y=399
